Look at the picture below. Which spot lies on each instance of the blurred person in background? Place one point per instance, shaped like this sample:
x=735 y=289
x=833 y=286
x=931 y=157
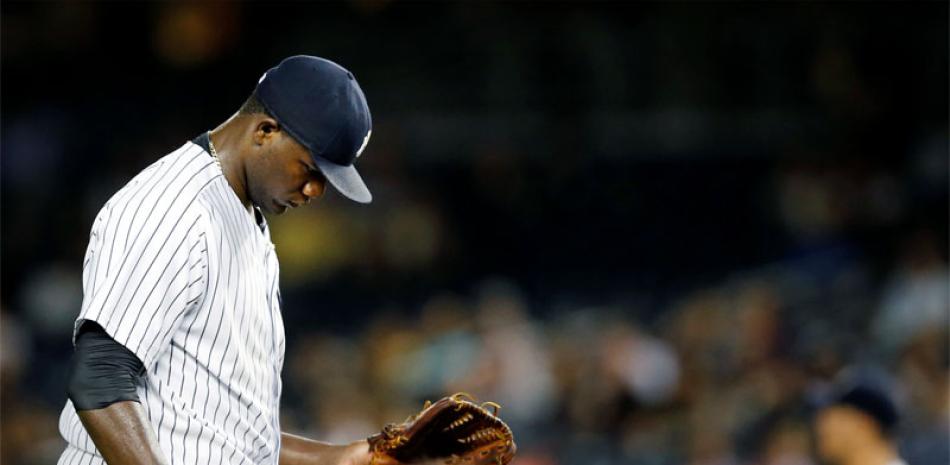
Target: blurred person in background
x=513 y=365
x=857 y=427
x=916 y=296
x=923 y=372
x=788 y=443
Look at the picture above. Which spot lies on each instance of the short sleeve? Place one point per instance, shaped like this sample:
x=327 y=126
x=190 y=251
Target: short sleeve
x=143 y=271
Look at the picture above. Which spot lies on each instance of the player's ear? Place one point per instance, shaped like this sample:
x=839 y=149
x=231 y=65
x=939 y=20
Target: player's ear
x=265 y=129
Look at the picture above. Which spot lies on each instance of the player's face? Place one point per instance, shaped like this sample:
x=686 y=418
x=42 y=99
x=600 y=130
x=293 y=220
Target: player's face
x=282 y=174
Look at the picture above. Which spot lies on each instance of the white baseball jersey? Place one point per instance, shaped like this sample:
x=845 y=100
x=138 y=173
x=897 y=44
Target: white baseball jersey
x=179 y=272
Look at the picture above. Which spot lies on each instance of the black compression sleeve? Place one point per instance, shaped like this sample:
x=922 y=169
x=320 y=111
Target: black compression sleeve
x=103 y=371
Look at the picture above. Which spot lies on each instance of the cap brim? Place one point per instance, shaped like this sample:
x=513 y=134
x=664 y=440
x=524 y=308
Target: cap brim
x=345 y=179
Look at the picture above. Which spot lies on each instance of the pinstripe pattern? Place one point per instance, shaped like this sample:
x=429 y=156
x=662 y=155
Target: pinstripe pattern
x=181 y=274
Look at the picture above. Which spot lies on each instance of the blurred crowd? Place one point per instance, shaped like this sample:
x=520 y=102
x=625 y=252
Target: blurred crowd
x=722 y=375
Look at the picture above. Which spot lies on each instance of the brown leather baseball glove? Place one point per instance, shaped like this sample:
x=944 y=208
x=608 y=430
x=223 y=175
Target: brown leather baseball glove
x=453 y=431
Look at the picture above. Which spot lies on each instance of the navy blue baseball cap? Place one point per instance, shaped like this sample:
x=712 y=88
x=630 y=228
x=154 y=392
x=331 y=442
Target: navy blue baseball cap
x=320 y=104
x=868 y=398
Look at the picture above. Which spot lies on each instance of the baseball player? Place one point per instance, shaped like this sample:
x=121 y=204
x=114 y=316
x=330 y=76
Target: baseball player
x=856 y=426
x=179 y=343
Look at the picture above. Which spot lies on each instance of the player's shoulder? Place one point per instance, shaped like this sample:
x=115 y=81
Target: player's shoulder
x=168 y=187
x=183 y=171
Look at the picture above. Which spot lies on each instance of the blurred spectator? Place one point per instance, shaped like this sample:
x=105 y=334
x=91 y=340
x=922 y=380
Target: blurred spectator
x=647 y=366
x=788 y=444
x=29 y=425
x=513 y=365
x=924 y=374
x=857 y=428
x=917 y=294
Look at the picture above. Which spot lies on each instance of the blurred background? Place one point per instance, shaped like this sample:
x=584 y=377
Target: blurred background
x=649 y=231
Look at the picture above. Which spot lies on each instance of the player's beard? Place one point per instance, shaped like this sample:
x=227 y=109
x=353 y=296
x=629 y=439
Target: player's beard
x=257 y=192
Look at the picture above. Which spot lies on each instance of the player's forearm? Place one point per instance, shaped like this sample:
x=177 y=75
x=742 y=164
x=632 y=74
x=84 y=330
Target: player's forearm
x=296 y=450
x=123 y=435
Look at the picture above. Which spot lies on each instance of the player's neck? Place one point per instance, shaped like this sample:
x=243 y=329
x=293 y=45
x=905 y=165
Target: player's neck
x=226 y=141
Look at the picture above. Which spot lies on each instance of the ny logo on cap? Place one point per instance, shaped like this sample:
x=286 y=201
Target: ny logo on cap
x=365 y=141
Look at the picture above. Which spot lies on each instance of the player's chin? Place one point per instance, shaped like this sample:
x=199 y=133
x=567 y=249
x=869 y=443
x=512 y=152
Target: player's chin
x=274 y=207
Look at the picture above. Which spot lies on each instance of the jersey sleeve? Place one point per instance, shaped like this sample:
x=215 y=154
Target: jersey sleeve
x=143 y=272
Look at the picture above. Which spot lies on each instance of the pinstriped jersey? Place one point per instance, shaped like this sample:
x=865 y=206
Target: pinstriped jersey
x=182 y=274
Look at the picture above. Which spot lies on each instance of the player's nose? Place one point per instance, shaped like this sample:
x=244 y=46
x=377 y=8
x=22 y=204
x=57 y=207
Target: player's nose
x=314 y=188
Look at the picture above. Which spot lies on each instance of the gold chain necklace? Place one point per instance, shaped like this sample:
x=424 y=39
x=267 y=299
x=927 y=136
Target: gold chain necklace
x=214 y=153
